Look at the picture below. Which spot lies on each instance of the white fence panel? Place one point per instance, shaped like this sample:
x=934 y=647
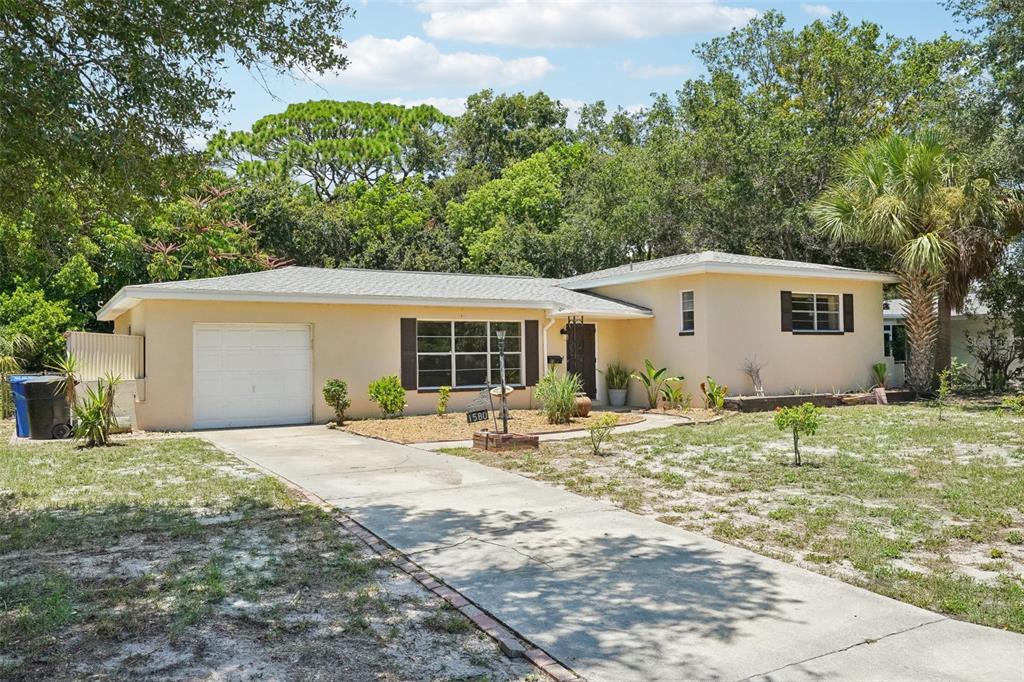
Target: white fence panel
x=101 y=354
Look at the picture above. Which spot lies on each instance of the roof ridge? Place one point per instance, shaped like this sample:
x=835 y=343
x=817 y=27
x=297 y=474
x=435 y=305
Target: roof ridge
x=423 y=272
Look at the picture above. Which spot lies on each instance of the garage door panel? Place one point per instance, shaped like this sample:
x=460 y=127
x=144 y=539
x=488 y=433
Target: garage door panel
x=252 y=375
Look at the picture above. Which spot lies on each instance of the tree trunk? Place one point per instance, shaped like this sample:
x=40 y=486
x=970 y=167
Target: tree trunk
x=943 y=342
x=919 y=291
x=796 y=447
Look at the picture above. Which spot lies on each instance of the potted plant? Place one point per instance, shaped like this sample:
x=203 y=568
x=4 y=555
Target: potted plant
x=616 y=378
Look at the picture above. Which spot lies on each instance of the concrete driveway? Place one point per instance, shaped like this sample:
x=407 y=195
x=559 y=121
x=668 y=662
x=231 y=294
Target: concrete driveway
x=617 y=596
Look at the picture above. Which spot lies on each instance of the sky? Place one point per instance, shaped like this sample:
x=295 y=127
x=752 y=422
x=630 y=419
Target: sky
x=578 y=51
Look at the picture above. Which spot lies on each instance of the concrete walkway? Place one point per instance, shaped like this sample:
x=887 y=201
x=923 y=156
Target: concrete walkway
x=650 y=421
x=614 y=595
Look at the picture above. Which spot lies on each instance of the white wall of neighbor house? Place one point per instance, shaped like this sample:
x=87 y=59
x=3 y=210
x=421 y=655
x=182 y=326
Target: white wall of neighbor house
x=357 y=343
x=739 y=317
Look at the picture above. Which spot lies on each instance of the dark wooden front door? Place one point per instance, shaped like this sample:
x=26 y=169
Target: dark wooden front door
x=581 y=355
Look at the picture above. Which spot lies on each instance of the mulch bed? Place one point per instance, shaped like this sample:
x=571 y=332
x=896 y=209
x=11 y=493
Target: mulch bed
x=430 y=427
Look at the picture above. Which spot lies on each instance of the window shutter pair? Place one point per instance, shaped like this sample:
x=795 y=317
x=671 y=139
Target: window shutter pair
x=787 y=312
x=408 y=347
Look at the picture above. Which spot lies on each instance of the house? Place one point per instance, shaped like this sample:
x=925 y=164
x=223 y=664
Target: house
x=255 y=349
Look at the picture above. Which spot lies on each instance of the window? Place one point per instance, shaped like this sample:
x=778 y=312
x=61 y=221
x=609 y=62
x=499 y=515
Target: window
x=466 y=353
x=816 y=312
x=686 y=312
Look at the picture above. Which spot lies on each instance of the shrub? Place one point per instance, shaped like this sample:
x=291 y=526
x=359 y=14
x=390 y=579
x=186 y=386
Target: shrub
x=945 y=389
x=752 y=368
x=600 y=428
x=1015 y=537
x=880 y=372
x=443 y=394
x=557 y=395
x=617 y=377
x=336 y=395
x=714 y=394
x=674 y=396
x=389 y=395
x=803 y=419
x=1014 y=404
x=94 y=414
x=652 y=380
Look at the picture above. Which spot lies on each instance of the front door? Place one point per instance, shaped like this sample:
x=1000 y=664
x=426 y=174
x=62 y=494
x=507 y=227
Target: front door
x=581 y=355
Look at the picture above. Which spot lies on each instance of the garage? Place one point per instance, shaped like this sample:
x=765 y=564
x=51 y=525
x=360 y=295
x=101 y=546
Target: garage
x=251 y=375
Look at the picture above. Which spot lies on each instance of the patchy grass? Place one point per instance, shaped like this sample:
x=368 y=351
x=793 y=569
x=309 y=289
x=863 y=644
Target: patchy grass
x=167 y=558
x=891 y=498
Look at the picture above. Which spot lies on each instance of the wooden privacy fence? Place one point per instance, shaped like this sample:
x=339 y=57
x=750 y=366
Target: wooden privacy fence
x=102 y=354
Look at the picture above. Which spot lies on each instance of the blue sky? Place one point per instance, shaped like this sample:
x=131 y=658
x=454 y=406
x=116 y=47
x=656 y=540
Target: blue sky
x=439 y=51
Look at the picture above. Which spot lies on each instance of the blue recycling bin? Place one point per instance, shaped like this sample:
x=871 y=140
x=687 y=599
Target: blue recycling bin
x=20 y=402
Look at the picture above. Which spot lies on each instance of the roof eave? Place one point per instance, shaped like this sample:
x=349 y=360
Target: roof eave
x=730 y=268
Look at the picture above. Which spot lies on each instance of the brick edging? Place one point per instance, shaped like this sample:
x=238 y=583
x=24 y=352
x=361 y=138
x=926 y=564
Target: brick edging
x=512 y=643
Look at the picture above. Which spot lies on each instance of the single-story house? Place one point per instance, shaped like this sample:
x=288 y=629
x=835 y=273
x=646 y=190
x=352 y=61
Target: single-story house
x=256 y=349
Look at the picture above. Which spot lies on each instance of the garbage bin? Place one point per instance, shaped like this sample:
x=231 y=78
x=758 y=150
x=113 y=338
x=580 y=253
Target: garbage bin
x=48 y=413
x=17 y=382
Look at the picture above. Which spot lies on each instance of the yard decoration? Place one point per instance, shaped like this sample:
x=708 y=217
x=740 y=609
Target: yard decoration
x=600 y=429
x=803 y=419
x=652 y=380
x=388 y=393
x=714 y=394
x=443 y=394
x=616 y=378
x=336 y=395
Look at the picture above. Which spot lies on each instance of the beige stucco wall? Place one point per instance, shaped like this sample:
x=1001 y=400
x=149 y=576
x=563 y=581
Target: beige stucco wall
x=738 y=316
x=358 y=343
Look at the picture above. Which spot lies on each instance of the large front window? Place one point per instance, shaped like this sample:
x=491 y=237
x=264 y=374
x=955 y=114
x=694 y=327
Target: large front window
x=816 y=312
x=458 y=353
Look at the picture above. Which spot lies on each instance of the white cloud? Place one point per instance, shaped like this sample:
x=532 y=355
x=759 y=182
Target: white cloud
x=540 y=23
x=817 y=10
x=411 y=62
x=453 y=106
x=648 y=71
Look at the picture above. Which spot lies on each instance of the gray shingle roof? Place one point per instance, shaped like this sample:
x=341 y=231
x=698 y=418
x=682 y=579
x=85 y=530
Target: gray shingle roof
x=371 y=285
x=671 y=264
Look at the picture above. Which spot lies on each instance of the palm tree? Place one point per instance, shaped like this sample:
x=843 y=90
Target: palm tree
x=908 y=195
x=14 y=346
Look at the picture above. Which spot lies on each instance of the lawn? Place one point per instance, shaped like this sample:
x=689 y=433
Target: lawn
x=432 y=427
x=892 y=498
x=167 y=558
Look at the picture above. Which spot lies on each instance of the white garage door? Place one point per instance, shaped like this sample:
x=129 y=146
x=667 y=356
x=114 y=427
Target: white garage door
x=251 y=375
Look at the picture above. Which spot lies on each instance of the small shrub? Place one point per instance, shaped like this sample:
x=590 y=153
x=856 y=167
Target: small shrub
x=1014 y=404
x=336 y=395
x=652 y=380
x=600 y=428
x=880 y=372
x=752 y=368
x=94 y=414
x=1015 y=537
x=557 y=395
x=996 y=553
x=945 y=389
x=674 y=397
x=389 y=395
x=617 y=377
x=803 y=419
x=443 y=394
x=714 y=394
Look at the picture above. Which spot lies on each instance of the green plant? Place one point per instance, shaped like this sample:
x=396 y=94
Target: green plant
x=557 y=395
x=617 y=377
x=652 y=380
x=67 y=367
x=674 y=397
x=945 y=389
x=880 y=372
x=14 y=346
x=443 y=394
x=94 y=413
x=336 y=395
x=1015 y=537
x=803 y=419
x=714 y=394
x=1014 y=404
x=389 y=395
x=600 y=428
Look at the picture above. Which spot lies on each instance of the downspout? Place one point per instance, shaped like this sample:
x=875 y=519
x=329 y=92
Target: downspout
x=544 y=347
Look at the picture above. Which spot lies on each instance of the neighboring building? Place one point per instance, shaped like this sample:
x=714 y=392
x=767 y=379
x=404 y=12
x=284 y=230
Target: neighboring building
x=256 y=348
x=971 y=320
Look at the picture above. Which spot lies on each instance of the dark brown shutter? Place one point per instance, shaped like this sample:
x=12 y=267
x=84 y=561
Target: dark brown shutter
x=532 y=342
x=787 y=311
x=847 y=313
x=409 y=353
